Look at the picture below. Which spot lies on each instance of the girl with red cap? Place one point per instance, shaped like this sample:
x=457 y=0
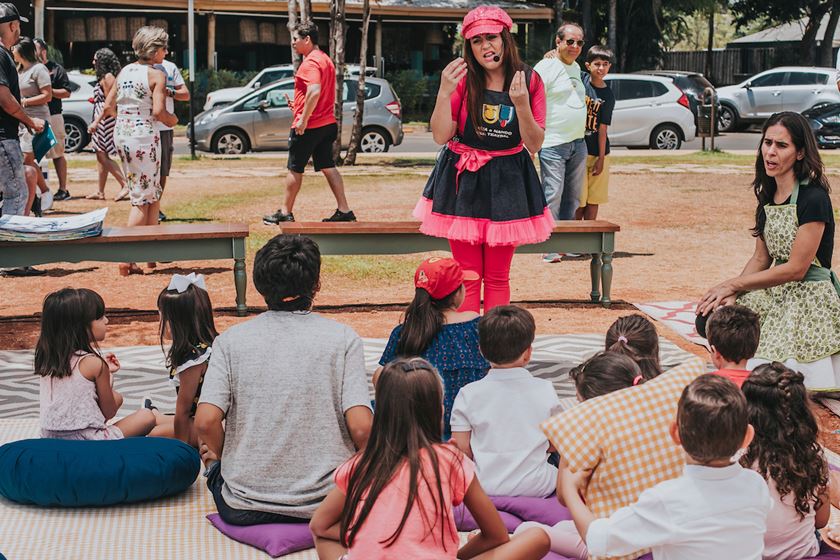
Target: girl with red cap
x=484 y=194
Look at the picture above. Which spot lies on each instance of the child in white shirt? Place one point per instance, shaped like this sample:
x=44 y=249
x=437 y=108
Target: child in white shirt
x=716 y=509
x=496 y=420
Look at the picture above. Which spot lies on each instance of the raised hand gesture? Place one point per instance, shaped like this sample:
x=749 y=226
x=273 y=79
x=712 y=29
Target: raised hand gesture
x=518 y=89
x=451 y=76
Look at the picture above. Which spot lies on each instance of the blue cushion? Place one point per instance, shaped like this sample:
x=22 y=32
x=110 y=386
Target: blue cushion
x=54 y=472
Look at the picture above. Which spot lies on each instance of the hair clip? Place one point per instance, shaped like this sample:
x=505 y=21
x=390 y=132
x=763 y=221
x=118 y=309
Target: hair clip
x=180 y=282
x=638 y=379
x=623 y=339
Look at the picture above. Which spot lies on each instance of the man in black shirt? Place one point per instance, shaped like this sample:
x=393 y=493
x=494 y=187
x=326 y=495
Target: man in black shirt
x=60 y=90
x=12 y=174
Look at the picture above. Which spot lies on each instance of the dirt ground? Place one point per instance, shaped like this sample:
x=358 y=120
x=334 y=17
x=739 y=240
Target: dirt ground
x=684 y=228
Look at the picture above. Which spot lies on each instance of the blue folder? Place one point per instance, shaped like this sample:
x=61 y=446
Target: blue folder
x=43 y=142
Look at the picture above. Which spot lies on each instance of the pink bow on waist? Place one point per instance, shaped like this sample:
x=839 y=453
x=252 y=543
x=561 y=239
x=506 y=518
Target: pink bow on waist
x=473 y=159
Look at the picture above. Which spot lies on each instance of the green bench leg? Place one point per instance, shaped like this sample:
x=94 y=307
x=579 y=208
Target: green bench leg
x=595 y=274
x=606 y=278
x=241 y=281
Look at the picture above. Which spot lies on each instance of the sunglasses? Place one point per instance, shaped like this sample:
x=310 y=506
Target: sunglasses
x=570 y=42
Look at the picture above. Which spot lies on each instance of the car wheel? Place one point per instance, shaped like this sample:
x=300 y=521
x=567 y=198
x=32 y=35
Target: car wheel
x=727 y=119
x=665 y=137
x=75 y=136
x=374 y=140
x=230 y=142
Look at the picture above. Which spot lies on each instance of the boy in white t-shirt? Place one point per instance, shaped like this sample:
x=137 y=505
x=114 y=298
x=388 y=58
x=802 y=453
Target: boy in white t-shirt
x=496 y=420
x=176 y=90
x=716 y=509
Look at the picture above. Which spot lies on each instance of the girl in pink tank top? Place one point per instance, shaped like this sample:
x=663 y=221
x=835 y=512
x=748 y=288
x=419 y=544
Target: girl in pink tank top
x=77 y=394
x=394 y=499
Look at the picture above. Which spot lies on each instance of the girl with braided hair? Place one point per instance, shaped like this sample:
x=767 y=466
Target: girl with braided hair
x=635 y=337
x=786 y=453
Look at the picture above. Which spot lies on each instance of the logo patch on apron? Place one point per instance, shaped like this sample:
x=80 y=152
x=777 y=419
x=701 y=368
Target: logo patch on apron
x=505 y=115
x=490 y=113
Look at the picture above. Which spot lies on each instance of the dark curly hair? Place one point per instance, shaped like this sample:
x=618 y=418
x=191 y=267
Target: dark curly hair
x=106 y=62
x=287 y=272
x=785 y=446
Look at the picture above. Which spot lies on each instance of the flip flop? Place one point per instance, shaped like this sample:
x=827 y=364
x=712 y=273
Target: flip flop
x=95 y=196
x=122 y=195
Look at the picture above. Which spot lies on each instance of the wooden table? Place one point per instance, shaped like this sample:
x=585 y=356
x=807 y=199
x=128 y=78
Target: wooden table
x=595 y=237
x=170 y=242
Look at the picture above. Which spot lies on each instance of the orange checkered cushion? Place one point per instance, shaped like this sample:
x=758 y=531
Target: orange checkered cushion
x=624 y=437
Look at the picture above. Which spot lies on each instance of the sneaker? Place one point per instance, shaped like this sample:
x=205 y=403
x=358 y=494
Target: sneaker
x=61 y=195
x=552 y=258
x=339 y=216
x=277 y=217
x=46 y=200
x=22 y=271
x=161 y=216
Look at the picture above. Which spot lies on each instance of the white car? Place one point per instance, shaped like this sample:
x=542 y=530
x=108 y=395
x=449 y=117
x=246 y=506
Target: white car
x=225 y=96
x=650 y=112
x=787 y=88
x=78 y=111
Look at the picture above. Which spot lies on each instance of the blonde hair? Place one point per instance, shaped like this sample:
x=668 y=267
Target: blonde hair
x=148 y=40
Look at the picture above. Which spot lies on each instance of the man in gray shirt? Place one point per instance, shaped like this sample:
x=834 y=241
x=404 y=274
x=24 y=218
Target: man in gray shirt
x=292 y=390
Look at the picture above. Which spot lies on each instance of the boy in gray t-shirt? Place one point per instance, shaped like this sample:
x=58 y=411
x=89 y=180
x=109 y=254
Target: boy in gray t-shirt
x=292 y=389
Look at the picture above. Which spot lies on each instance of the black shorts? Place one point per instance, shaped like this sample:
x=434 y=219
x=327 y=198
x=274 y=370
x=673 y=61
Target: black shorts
x=315 y=143
x=167 y=148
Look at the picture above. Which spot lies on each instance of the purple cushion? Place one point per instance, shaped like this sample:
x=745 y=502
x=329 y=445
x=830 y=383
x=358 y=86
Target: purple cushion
x=826 y=553
x=514 y=510
x=276 y=539
x=464 y=520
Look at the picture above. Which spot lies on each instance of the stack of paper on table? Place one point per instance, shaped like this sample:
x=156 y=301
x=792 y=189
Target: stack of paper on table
x=25 y=228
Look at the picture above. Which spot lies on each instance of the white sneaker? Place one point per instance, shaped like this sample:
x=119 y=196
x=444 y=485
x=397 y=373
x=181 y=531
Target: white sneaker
x=552 y=258
x=46 y=200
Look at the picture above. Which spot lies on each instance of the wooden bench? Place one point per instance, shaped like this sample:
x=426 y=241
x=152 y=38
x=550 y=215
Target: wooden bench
x=175 y=242
x=392 y=238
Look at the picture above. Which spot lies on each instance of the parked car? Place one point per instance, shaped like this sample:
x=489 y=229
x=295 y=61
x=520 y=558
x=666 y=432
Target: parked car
x=78 y=111
x=650 y=111
x=825 y=122
x=692 y=84
x=787 y=88
x=224 y=96
x=263 y=119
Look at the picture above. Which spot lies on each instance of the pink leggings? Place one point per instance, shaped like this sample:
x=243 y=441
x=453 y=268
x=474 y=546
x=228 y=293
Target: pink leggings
x=493 y=266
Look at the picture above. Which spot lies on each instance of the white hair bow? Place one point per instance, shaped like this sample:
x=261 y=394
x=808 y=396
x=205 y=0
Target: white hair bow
x=181 y=282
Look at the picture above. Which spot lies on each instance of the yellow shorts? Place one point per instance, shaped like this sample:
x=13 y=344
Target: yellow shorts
x=595 y=189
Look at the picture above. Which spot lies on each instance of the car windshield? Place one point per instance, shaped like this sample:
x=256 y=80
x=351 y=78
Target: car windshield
x=694 y=82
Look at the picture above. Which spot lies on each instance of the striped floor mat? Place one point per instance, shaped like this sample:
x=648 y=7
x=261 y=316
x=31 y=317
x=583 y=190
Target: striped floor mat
x=143 y=372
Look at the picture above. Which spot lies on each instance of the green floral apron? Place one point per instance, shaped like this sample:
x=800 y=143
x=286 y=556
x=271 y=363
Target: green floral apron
x=800 y=319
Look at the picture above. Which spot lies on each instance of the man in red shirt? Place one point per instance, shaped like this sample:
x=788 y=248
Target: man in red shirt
x=314 y=127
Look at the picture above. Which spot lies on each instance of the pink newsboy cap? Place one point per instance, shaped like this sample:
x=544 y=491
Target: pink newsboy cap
x=485 y=19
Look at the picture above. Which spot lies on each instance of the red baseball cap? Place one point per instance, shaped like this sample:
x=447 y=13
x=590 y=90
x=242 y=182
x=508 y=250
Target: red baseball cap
x=440 y=276
x=485 y=19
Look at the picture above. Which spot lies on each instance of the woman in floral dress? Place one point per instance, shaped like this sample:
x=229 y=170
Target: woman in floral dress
x=139 y=100
x=789 y=281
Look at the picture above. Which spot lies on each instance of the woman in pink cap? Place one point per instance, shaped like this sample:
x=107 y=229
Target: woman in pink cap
x=484 y=194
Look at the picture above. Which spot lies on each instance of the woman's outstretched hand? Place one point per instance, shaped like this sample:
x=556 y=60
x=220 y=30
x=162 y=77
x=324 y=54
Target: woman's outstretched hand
x=722 y=294
x=451 y=76
x=518 y=89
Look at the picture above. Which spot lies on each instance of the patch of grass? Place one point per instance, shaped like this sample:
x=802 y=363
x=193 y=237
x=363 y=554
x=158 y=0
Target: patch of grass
x=380 y=267
x=677 y=158
x=73 y=163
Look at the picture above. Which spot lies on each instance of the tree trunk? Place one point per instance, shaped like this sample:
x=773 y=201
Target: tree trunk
x=827 y=45
x=808 y=45
x=356 y=136
x=338 y=27
x=559 y=6
x=611 y=26
x=305 y=10
x=293 y=19
x=586 y=20
x=710 y=45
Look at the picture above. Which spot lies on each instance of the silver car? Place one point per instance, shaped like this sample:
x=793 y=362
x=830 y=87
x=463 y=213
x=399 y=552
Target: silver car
x=78 y=111
x=263 y=119
x=787 y=88
x=650 y=112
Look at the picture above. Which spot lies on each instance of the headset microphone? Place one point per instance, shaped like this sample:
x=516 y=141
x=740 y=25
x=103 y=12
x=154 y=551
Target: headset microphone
x=497 y=58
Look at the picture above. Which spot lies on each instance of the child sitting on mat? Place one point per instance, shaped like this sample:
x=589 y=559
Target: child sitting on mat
x=636 y=337
x=435 y=330
x=604 y=373
x=186 y=319
x=786 y=453
x=733 y=332
x=716 y=509
x=496 y=420
x=77 y=382
x=394 y=499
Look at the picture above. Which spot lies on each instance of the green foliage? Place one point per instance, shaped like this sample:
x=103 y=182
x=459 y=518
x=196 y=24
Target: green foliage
x=416 y=92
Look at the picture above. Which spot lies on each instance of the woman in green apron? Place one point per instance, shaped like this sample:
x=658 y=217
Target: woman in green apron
x=788 y=281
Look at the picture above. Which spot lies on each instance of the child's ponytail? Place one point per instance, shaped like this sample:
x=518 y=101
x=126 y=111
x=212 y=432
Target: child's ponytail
x=65 y=329
x=189 y=315
x=423 y=320
x=636 y=337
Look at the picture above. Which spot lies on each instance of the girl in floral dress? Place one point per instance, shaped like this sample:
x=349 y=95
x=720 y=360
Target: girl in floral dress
x=139 y=102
